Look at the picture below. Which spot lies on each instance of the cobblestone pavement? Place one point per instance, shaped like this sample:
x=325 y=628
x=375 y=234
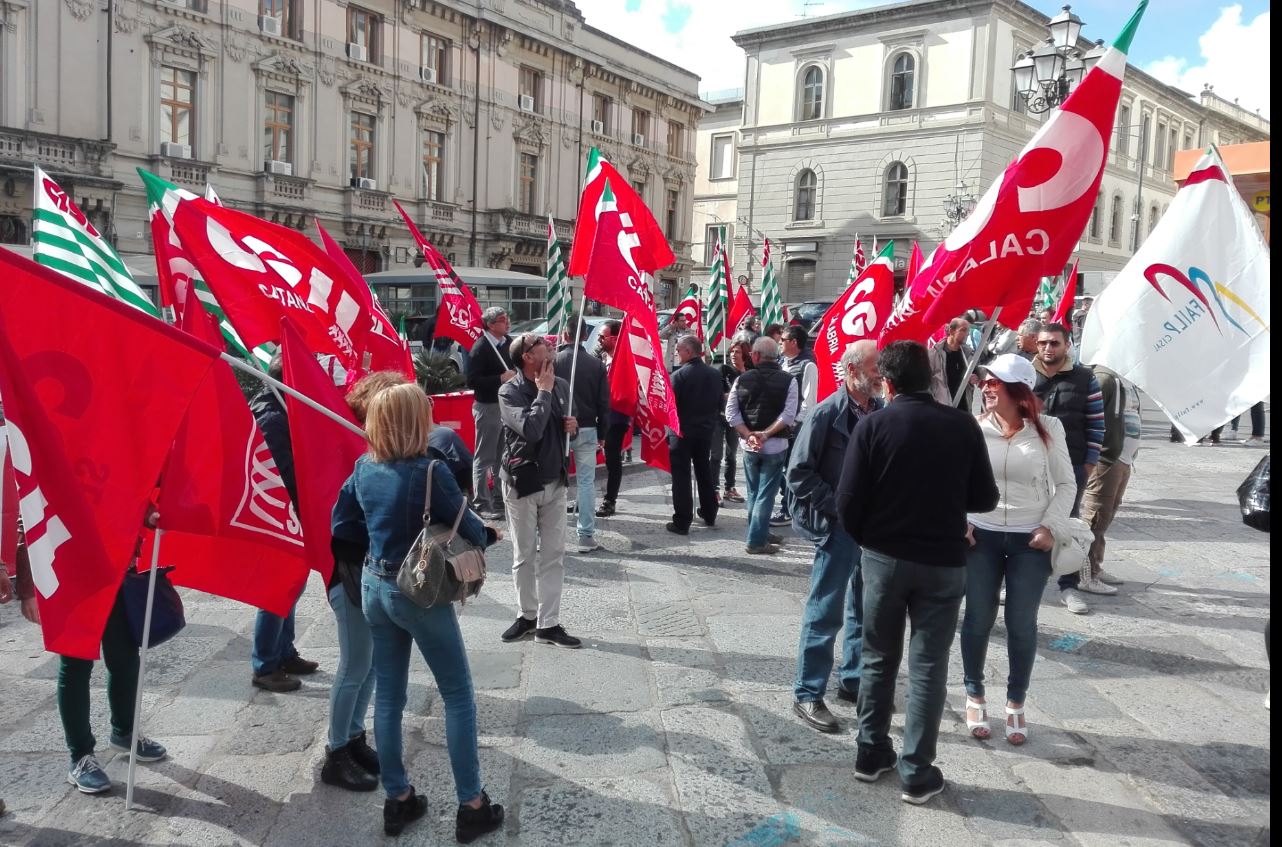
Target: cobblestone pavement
x=673 y=725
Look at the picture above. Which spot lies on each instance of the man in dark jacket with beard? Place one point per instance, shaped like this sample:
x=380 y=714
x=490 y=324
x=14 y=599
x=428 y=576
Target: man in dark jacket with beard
x=836 y=585
x=276 y=662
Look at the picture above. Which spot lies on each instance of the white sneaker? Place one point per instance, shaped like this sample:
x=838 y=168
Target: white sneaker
x=1095 y=586
x=588 y=546
x=1108 y=579
x=1073 y=600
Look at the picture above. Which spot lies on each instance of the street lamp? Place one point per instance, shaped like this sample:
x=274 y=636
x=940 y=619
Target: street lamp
x=1044 y=77
x=958 y=206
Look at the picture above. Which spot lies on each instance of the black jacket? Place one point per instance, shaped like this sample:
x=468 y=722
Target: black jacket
x=270 y=417
x=698 y=388
x=485 y=368
x=591 y=389
x=912 y=472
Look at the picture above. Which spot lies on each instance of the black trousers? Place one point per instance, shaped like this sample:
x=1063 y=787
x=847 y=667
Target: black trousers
x=686 y=453
x=614 y=459
x=724 y=438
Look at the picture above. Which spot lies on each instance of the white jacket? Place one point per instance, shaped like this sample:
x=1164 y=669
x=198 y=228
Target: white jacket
x=1035 y=481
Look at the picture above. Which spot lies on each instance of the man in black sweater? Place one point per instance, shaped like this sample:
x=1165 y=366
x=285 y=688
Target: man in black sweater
x=698 y=388
x=488 y=367
x=912 y=472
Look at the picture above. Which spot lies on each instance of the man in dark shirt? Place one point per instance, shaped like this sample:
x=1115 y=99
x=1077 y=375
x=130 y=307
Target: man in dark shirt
x=912 y=472
x=698 y=388
x=489 y=366
x=590 y=406
x=533 y=406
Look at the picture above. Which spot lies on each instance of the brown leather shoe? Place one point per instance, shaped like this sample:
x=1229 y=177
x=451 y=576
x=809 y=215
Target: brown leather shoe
x=764 y=550
x=296 y=665
x=277 y=682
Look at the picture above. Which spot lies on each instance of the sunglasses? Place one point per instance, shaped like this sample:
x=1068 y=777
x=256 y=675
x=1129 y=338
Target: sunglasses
x=991 y=382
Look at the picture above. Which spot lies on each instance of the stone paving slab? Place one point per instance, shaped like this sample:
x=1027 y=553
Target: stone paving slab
x=673 y=725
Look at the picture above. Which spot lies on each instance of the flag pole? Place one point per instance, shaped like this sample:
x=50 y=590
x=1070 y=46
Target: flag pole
x=142 y=669
x=574 y=366
x=276 y=384
x=974 y=361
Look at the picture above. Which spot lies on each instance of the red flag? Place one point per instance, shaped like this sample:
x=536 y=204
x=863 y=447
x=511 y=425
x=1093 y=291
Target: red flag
x=650 y=250
x=387 y=352
x=8 y=505
x=914 y=266
x=624 y=387
x=1061 y=315
x=618 y=269
x=260 y=272
x=324 y=452
x=222 y=503
x=740 y=311
x=94 y=392
x=859 y=313
x=458 y=316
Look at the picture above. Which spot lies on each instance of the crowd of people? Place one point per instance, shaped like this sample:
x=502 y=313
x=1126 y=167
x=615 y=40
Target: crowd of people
x=1008 y=471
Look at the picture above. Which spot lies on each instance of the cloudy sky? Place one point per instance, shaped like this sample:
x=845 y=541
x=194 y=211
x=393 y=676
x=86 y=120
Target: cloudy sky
x=1183 y=42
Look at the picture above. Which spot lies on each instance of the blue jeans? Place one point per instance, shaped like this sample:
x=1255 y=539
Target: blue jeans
x=354 y=680
x=1074 y=579
x=762 y=474
x=584 y=446
x=929 y=597
x=273 y=641
x=836 y=594
x=397 y=624
x=998 y=555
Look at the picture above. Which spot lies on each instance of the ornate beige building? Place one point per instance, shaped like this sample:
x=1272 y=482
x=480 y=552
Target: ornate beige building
x=476 y=116
x=866 y=123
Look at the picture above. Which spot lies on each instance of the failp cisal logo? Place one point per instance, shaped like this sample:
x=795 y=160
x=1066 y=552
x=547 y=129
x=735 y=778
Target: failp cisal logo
x=1186 y=315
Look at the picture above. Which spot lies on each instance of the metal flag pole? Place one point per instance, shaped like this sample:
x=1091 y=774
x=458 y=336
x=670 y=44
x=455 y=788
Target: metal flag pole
x=974 y=360
x=142 y=669
x=276 y=384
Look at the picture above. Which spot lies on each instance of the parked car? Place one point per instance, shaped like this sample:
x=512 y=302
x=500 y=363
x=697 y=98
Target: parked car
x=807 y=314
x=540 y=326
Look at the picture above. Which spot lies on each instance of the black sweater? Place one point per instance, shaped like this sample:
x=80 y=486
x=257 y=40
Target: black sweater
x=485 y=368
x=912 y=472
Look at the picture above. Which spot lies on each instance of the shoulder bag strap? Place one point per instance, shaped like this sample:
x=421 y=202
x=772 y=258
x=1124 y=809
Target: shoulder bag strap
x=427 y=495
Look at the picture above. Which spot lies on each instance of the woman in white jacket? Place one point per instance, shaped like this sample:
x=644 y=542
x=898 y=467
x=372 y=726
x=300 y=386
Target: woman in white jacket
x=1013 y=542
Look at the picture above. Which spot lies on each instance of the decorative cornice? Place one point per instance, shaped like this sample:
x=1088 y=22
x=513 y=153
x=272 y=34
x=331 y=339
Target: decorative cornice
x=80 y=9
x=326 y=70
x=128 y=16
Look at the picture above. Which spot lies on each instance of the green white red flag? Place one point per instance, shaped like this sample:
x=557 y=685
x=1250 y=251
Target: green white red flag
x=560 y=296
x=771 y=302
x=63 y=239
x=692 y=308
x=858 y=313
x=1029 y=221
x=717 y=305
x=648 y=248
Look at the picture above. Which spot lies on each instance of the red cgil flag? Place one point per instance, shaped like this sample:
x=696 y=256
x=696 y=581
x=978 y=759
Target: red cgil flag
x=641 y=389
x=324 y=451
x=459 y=315
x=740 y=311
x=604 y=187
x=223 y=502
x=857 y=314
x=95 y=392
x=692 y=307
x=618 y=270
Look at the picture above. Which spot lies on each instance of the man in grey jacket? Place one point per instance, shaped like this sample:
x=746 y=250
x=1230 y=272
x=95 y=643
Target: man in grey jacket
x=948 y=366
x=533 y=407
x=590 y=406
x=836 y=587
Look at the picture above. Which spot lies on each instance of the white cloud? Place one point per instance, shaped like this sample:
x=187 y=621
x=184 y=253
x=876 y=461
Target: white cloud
x=703 y=45
x=1234 y=59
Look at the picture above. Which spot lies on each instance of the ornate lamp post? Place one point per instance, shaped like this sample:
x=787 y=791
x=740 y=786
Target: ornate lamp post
x=1045 y=76
x=958 y=206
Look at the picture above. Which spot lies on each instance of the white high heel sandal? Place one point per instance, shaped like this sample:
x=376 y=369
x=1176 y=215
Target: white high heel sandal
x=977 y=729
x=1018 y=733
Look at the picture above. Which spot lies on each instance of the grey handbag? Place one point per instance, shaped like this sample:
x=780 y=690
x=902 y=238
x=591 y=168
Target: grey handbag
x=441 y=567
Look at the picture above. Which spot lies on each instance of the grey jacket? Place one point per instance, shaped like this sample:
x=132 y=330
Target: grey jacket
x=591 y=388
x=533 y=432
x=939 y=377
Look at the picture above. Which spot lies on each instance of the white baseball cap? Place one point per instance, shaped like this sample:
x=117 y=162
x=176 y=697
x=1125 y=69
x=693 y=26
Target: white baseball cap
x=1010 y=367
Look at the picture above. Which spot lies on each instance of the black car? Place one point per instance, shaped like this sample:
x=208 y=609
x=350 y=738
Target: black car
x=807 y=314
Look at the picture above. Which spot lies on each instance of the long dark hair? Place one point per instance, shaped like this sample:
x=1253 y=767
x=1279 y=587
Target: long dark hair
x=1030 y=407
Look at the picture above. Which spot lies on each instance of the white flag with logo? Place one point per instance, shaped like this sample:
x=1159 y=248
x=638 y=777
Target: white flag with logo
x=1187 y=319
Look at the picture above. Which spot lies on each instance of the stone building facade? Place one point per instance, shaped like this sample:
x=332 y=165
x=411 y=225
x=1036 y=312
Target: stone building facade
x=476 y=116
x=863 y=124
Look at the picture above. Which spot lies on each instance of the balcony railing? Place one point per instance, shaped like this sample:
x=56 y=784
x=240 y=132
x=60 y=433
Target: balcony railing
x=55 y=151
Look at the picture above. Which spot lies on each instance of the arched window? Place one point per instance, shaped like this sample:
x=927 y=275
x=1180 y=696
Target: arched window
x=1115 y=221
x=895 y=201
x=812 y=94
x=901 y=82
x=807 y=186
x=1152 y=218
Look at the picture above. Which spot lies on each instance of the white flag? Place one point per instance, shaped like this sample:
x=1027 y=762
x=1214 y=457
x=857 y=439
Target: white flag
x=1187 y=319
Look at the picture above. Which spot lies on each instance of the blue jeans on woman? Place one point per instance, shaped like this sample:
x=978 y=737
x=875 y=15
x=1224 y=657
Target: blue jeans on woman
x=998 y=555
x=762 y=473
x=397 y=624
x=354 y=680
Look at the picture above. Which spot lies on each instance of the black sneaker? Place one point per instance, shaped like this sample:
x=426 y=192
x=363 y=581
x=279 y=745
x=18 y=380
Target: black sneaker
x=676 y=530
x=523 y=627
x=921 y=792
x=870 y=764
x=606 y=509
x=397 y=813
x=558 y=636
x=470 y=824
x=341 y=770
x=365 y=755
x=850 y=695
x=709 y=522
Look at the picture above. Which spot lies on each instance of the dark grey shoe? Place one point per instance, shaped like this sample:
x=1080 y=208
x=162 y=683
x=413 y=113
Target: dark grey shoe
x=849 y=695
x=397 y=813
x=816 y=715
x=470 y=824
x=558 y=636
x=523 y=627
x=870 y=764
x=921 y=792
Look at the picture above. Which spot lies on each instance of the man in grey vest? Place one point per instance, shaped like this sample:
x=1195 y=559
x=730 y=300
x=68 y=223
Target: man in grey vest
x=762 y=407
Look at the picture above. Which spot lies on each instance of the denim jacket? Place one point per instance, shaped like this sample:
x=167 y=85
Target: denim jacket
x=381 y=504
